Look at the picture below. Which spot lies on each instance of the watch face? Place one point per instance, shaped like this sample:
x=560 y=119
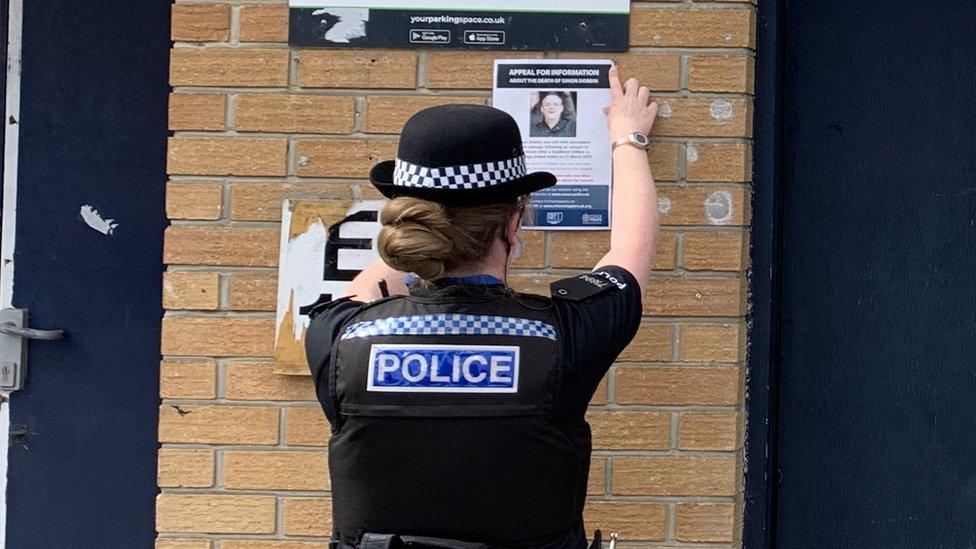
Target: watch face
x=639 y=138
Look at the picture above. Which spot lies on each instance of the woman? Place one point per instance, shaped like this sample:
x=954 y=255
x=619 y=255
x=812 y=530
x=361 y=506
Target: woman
x=558 y=118
x=457 y=409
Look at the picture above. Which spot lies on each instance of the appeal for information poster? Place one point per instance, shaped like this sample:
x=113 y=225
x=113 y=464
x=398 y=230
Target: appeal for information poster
x=558 y=105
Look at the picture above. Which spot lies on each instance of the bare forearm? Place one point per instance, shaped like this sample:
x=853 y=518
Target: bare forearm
x=635 y=226
x=366 y=285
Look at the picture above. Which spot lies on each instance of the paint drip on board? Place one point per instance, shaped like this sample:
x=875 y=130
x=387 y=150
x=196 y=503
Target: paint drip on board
x=93 y=219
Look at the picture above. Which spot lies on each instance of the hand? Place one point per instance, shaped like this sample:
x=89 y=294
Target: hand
x=629 y=110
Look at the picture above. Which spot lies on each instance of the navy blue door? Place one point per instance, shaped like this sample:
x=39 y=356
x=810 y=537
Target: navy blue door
x=877 y=423
x=92 y=133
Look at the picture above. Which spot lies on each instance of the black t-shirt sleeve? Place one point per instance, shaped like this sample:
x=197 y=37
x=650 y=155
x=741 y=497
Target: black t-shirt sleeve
x=322 y=333
x=599 y=314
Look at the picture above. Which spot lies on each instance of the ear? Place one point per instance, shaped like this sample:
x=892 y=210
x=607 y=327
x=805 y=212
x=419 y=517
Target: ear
x=512 y=229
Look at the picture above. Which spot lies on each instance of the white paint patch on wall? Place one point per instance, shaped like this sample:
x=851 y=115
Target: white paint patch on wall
x=664 y=110
x=691 y=154
x=93 y=219
x=663 y=204
x=718 y=208
x=720 y=110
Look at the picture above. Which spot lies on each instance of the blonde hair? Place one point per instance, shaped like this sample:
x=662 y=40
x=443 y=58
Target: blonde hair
x=428 y=238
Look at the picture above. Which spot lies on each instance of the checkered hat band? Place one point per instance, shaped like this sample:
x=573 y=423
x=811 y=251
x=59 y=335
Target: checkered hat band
x=451 y=324
x=471 y=176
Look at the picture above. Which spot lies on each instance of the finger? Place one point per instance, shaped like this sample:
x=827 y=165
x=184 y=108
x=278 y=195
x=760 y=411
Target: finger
x=643 y=95
x=616 y=90
x=653 y=108
x=631 y=86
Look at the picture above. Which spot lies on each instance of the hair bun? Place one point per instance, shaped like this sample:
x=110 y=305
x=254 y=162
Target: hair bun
x=417 y=237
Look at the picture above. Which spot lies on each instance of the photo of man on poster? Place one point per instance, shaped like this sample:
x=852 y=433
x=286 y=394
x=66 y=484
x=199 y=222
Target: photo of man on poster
x=553 y=114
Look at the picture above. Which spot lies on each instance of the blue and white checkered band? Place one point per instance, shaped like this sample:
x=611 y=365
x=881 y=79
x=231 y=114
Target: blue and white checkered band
x=470 y=176
x=451 y=324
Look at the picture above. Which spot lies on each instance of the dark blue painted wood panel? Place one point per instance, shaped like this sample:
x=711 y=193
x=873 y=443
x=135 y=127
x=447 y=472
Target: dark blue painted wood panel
x=877 y=429
x=92 y=131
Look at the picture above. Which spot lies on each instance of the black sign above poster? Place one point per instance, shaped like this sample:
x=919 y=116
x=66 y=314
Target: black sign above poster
x=553 y=25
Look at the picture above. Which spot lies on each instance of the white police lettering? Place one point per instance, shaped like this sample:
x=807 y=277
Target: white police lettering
x=443 y=368
x=611 y=278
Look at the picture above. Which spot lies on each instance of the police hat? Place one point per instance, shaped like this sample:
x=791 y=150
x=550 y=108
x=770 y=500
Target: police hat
x=459 y=155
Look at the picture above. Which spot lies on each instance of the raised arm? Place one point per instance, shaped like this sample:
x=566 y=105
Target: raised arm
x=636 y=222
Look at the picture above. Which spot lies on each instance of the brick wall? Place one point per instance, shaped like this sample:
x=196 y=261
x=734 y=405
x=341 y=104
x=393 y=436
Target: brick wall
x=243 y=463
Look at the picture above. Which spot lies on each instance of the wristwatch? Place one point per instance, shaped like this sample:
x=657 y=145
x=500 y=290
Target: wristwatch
x=636 y=139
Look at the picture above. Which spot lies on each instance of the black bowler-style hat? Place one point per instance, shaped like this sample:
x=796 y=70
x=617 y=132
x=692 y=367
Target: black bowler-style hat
x=459 y=155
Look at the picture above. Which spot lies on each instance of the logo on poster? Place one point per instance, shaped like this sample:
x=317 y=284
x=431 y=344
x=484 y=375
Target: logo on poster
x=430 y=36
x=592 y=219
x=554 y=218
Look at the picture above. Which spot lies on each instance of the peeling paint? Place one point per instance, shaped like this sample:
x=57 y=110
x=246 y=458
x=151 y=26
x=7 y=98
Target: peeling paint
x=721 y=110
x=664 y=110
x=303 y=160
x=663 y=204
x=302 y=264
x=93 y=219
x=718 y=208
x=351 y=24
x=691 y=154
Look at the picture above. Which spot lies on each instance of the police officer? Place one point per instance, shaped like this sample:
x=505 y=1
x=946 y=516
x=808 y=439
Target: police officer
x=456 y=404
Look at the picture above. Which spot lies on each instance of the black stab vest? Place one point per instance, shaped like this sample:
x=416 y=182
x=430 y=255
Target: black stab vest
x=458 y=461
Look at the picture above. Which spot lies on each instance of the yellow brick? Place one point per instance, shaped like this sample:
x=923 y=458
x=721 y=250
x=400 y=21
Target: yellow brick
x=226 y=156
x=197 y=111
x=357 y=69
x=707 y=206
x=177 y=543
x=343 y=157
x=388 y=113
x=185 y=468
x=657 y=71
x=705 y=522
x=719 y=117
x=535 y=283
x=600 y=395
x=722 y=73
x=215 y=514
x=663 y=157
x=534 y=254
x=698 y=28
x=672 y=296
x=276 y=470
x=295 y=113
x=193 y=200
x=306 y=427
x=582 y=250
x=182 y=379
x=229 y=246
x=467 y=69
x=228 y=67
x=200 y=23
x=253 y=292
x=260 y=544
x=218 y=336
x=630 y=430
x=198 y=290
x=308 y=517
x=725 y=162
x=708 y=431
x=257 y=381
x=712 y=342
x=675 y=476
x=598 y=476
x=263 y=201
x=634 y=521
x=263 y=24
x=189 y=424
x=651 y=344
x=715 y=251
x=677 y=386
